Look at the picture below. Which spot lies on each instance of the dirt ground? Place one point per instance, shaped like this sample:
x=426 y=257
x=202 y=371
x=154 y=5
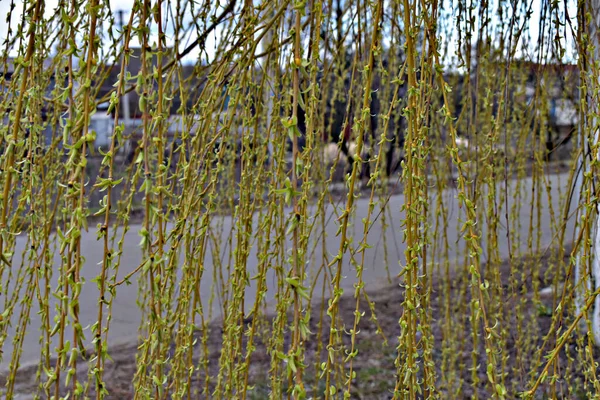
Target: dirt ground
x=374 y=365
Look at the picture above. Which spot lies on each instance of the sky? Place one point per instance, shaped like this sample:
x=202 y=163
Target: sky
x=50 y=6
x=211 y=40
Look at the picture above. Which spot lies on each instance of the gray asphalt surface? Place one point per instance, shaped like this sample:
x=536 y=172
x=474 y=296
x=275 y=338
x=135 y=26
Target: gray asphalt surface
x=126 y=315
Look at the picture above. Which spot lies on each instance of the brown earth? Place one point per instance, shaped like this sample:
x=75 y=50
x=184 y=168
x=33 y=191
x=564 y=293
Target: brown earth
x=374 y=364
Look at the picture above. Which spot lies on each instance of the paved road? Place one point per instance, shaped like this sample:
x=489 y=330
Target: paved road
x=126 y=316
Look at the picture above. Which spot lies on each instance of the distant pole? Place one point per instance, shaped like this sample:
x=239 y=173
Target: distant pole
x=594 y=11
x=125 y=98
x=266 y=43
x=590 y=277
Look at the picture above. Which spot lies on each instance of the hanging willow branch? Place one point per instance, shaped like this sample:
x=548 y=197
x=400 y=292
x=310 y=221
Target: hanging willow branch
x=297 y=181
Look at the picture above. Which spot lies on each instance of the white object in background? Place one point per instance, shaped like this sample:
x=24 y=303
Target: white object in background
x=330 y=153
x=462 y=142
x=352 y=149
x=103 y=126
